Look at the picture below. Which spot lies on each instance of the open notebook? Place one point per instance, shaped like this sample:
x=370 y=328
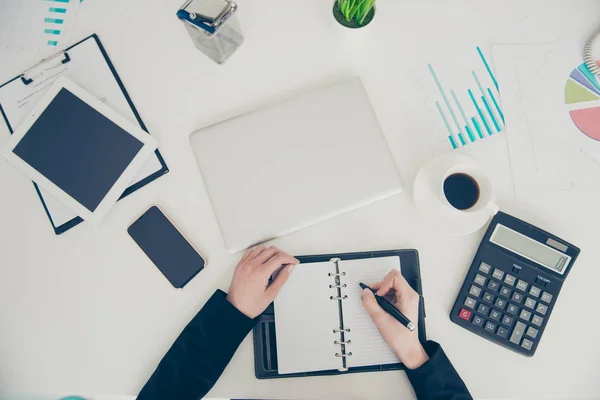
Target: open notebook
x=320 y=322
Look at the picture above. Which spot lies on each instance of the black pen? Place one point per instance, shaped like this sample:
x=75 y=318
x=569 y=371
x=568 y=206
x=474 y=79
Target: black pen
x=390 y=309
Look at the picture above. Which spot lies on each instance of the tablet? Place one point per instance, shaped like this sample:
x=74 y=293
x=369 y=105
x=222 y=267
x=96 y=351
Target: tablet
x=79 y=149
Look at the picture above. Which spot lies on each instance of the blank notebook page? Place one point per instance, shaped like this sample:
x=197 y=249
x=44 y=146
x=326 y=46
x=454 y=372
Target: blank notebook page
x=367 y=346
x=305 y=317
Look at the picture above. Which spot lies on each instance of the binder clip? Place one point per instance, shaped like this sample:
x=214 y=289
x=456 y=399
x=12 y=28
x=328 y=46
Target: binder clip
x=213 y=27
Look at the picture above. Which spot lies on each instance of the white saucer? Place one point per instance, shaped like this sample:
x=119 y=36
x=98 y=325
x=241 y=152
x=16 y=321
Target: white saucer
x=426 y=192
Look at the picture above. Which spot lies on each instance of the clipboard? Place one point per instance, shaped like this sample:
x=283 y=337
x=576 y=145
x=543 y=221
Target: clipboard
x=88 y=64
x=264 y=335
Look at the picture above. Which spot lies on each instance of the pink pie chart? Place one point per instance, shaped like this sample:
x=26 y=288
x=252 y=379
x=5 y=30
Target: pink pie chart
x=582 y=94
x=587 y=121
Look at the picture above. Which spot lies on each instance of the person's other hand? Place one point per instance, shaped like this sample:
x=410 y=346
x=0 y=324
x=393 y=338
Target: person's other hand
x=250 y=291
x=403 y=342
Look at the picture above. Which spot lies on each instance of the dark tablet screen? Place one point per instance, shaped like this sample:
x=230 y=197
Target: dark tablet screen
x=78 y=149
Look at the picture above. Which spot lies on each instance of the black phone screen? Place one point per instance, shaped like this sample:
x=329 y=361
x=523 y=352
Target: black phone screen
x=166 y=247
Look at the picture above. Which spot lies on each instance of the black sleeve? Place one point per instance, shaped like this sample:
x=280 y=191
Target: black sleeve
x=437 y=379
x=198 y=357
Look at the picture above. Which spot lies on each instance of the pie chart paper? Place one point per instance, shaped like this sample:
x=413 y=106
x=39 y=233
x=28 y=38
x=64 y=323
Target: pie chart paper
x=552 y=112
x=582 y=96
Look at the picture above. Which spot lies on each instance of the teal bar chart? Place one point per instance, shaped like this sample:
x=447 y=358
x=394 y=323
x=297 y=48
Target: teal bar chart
x=467 y=99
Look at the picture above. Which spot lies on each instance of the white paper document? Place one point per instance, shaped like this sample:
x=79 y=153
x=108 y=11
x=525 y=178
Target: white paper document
x=461 y=94
x=45 y=25
x=551 y=110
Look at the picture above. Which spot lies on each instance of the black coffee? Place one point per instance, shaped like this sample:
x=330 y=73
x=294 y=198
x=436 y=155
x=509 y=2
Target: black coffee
x=461 y=191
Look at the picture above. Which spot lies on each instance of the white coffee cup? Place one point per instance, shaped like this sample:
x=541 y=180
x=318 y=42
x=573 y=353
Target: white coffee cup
x=485 y=203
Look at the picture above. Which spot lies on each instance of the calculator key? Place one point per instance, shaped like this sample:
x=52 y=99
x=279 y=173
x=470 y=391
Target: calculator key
x=516 y=269
x=465 y=314
x=488 y=297
x=502 y=332
x=490 y=327
x=517 y=333
x=480 y=279
x=525 y=315
x=478 y=321
x=493 y=285
x=541 y=282
x=495 y=315
x=504 y=291
x=498 y=274
x=512 y=309
x=527 y=344
x=547 y=297
x=475 y=291
x=542 y=309
x=522 y=285
x=500 y=303
x=506 y=320
x=517 y=297
x=469 y=302
x=535 y=291
x=537 y=320
x=485 y=268
x=532 y=332
x=530 y=303
x=510 y=280
x=483 y=309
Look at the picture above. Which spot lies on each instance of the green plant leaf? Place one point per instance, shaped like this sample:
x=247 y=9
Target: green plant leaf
x=363 y=7
x=345 y=7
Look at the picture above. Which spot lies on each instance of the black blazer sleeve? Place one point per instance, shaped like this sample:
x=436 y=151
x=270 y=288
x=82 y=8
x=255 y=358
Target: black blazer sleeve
x=437 y=379
x=198 y=357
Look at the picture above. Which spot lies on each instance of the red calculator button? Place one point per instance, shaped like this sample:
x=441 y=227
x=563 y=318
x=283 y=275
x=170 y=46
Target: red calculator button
x=464 y=314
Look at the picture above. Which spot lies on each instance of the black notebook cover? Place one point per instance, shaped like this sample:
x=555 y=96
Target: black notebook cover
x=265 y=348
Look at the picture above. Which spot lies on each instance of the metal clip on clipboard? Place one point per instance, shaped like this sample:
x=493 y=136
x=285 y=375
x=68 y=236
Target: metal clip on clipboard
x=212 y=26
x=65 y=59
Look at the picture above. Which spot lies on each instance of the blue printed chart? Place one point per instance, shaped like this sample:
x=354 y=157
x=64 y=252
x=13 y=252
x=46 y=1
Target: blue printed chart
x=41 y=24
x=463 y=94
x=55 y=20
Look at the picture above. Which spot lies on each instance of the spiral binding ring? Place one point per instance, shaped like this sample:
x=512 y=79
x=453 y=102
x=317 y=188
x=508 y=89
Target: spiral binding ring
x=588 y=54
x=338 y=286
x=336 y=274
x=342 y=342
x=338 y=297
x=337 y=330
x=343 y=355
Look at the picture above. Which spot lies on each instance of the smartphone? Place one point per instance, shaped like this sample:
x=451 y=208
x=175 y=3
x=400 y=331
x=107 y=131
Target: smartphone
x=172 y=254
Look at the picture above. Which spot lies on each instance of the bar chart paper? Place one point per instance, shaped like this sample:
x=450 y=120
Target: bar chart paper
x=41 y=24
x=461 y=94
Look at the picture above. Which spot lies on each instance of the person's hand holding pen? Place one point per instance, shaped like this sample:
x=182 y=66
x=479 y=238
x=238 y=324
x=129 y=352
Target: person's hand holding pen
x=401 y=340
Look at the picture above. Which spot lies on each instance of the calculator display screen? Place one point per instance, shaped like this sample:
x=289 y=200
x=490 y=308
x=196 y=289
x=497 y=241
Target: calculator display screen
x=530 y=249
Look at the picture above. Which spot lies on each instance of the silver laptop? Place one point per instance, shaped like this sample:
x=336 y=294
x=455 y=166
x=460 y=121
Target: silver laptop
x=295 y=163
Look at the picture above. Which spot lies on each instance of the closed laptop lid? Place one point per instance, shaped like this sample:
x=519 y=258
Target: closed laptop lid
x=292 y=164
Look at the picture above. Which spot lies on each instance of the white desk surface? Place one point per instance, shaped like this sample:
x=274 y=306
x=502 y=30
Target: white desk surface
x=87 y=312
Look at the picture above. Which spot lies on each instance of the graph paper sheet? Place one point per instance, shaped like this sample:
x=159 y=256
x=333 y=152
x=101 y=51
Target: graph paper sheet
x=41 y=24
